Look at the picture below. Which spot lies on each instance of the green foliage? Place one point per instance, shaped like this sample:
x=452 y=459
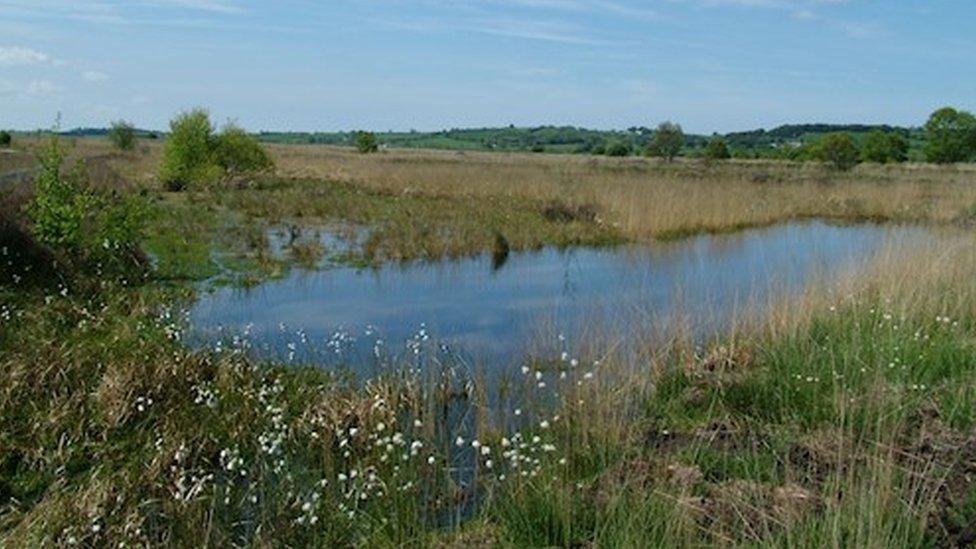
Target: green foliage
x=195 y=155
x=668 y=141
x=81 y=226
x=58 y=210
x=618 y=148
x=366 y=142
x=237 y=152
x=884 y=147
x=122 y=135
x=5 y=138
x=951 y=136
x=837 y=149
x=717 y=149
x=188 y=158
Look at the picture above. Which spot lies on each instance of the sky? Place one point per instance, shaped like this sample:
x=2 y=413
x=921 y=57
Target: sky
x=327 y=65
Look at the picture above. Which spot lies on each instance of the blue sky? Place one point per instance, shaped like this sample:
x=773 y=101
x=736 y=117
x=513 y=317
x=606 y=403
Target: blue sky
x=712 y=65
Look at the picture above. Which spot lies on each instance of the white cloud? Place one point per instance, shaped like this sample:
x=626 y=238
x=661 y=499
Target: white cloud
x=220 y=6
x=11 y=56
x=94 y=76
x=42 y=87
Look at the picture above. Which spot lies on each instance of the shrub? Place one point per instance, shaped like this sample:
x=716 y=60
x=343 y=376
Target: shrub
x=5 y=139
x=618 y=148
x=122 y=135
x=195 y=155
x=837 y=149
x=366 y=142
x=717 y=149
x=599 y=148
x=237 y=152
x=59 y=206
x=951 y=136
x=188 y=157
x=80 y=226
x=668 y=141
x=884 y=147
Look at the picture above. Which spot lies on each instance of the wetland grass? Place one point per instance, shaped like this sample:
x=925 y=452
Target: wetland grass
x=843 y=418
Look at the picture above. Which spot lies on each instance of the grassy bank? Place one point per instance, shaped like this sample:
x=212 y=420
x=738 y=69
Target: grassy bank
x=845 y=419
x=849 y=424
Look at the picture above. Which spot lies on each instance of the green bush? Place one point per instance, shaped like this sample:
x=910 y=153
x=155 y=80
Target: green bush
x=951 y=136
x=837 y=149
x=5 y=139
x=80 y=226
x=195 y=155
x=123 y=135
x=188 y=157
x=366 y=142
x=717 y=149
x=237 y=152
x=884 y=147
x=618 y=148
x=668 y=140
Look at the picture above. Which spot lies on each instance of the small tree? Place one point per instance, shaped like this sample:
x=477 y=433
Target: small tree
x=717 y=149
x=58 y=210
x=83 y=227
x=366 y=142
x=237 y=152
x=188 y=157
x=668 y=141
x=5 y=139
x=618 y=148
x=951 y=136
x=123 y=135
x=884 y=147
x=839 y=150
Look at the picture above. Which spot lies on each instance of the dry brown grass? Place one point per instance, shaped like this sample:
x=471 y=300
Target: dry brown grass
x=653 y=199
x=646 y=198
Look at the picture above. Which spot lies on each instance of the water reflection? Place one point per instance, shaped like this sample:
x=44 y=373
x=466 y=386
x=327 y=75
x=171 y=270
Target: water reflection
x=492 y=305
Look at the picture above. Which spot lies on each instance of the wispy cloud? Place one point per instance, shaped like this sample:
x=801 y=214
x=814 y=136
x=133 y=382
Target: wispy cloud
x=545 y=31
x=42 y=87
x=15 y=55
x=94 y=76
x=218 y=6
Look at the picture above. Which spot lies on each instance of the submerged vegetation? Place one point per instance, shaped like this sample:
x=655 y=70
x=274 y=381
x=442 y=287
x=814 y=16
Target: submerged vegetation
x=844 y=418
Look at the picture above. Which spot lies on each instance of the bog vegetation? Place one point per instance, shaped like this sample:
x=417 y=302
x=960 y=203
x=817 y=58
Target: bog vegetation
x=843 y=418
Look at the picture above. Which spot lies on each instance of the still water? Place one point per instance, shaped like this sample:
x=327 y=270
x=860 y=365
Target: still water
x=492 y=311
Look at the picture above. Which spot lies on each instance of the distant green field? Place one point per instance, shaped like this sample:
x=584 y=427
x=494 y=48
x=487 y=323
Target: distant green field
x=775 y=143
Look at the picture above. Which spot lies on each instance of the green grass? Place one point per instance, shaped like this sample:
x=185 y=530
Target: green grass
x=851 y=429
x=223 y=234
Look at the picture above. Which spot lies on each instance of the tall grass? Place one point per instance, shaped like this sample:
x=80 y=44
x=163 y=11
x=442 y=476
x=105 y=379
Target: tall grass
x=843 y=418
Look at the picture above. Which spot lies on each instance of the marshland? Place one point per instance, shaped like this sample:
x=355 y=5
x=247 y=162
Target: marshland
x=309 y=345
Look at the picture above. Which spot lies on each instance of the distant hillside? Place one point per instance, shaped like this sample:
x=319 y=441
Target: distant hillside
x=760 y=143
x=570 y=139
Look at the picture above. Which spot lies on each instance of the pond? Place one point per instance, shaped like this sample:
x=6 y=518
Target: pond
x=492 y=311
